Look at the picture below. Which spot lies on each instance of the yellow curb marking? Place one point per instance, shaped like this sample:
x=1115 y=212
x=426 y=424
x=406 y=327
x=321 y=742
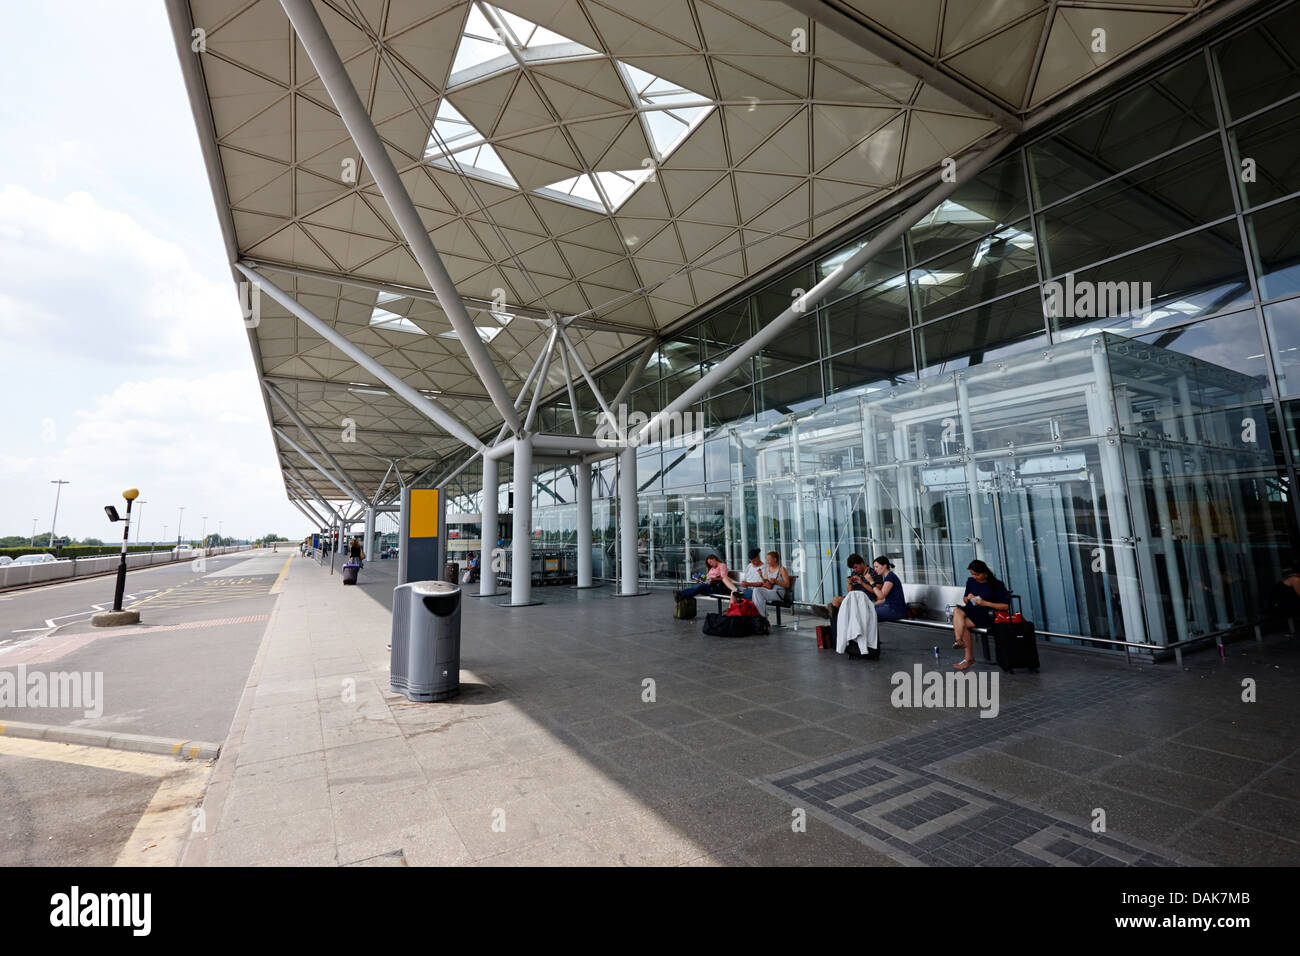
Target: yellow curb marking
x=278 y=586
x=160 y=833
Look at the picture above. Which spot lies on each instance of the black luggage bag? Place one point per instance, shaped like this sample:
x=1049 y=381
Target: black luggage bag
x=684 y=608
x=1014 y=642
x=735 y=625
x=350 y=573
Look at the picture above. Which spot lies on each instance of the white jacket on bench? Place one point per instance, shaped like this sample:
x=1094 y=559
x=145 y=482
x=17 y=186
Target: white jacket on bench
x=856 y=622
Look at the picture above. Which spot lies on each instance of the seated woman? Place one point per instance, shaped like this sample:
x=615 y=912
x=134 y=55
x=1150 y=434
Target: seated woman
x=890 y=603
x=984 y=595
x=713 y=578
x=775 y=584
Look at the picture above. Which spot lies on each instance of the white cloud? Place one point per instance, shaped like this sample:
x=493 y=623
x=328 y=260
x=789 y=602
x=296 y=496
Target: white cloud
x=94 y=282
x=182 y=442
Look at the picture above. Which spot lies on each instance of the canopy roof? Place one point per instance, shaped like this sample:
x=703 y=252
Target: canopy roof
x=627 y=162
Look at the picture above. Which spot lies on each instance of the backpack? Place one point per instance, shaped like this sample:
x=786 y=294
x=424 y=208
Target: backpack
x=742 y=608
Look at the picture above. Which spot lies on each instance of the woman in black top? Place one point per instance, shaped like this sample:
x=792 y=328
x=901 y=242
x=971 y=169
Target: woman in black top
x=354 y=551
x=984 y=595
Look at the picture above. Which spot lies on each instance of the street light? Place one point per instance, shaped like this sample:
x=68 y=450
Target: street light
x=130 y=495
x=178 y=527
x=57 y=491
x=33 y=544
x=140 y=520
x=203 y=539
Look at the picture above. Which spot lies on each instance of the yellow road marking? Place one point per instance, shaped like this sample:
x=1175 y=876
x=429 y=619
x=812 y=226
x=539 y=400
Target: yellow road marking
x=278 y=586
x=160 y=833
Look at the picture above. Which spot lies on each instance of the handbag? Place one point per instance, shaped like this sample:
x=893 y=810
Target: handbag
x=742 y=608
x=1010 y=616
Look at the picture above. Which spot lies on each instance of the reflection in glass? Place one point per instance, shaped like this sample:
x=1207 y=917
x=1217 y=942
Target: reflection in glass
x=1172 y=108
x=1196 y=275
x=986 y=333
x=1163 y=198
x=1259 y=66
x=975 y=273
x=1283 y=321
x=1269 y=141
x=995 y=198
x=1275 y=243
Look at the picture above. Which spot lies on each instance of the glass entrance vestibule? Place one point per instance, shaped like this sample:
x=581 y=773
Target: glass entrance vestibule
x=1124 y=491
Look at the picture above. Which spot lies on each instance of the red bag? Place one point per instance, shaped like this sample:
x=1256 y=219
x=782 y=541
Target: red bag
x=1002 y=617
x=742 y=608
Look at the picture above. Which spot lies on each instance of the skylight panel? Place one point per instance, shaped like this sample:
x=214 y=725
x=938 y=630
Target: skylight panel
x=666 y=122
x=487 y=335
x=383 y=319
x=479 y=43
x=603 y=191
x=451 y=129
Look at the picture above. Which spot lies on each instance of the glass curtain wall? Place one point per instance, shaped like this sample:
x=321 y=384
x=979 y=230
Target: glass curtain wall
x=1183 y=187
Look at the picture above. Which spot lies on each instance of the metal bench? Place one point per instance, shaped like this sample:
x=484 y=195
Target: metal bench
x=931 y=601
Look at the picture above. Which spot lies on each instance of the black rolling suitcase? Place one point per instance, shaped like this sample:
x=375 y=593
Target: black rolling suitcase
x=1014 y=642
x=350 y=572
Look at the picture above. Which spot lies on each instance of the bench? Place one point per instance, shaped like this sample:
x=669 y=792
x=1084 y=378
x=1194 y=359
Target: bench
x=787 y=603
x=930 y=602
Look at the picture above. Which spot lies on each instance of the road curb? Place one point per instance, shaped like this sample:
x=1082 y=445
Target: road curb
x=87 y=737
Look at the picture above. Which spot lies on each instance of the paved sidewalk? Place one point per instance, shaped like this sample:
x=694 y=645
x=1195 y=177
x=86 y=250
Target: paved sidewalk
x=598 y=730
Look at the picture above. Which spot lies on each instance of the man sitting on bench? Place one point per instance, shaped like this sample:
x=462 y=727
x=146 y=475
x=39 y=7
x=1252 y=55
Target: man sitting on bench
x=859 y=579
x=773 y=581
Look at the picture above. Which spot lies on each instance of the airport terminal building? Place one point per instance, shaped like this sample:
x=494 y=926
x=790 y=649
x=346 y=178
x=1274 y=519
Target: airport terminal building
x=636 y=283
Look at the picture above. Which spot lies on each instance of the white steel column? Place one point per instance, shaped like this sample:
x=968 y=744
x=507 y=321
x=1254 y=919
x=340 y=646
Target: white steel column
x=627 y=520
x=1105 y=426
x=584 y=524
x=972 y=469
x=333 y=74
x=521 y=543
x=487 y=577
x=368 y=545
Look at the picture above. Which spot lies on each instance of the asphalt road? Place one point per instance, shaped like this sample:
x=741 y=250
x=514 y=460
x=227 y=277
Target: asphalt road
x=178 y=675
x=68 y=602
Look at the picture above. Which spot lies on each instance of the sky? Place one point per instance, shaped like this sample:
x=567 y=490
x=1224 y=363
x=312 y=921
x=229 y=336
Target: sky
x=125 y=355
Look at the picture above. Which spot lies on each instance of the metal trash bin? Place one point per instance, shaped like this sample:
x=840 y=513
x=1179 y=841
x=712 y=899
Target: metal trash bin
x=425 y=660
x=451 y=572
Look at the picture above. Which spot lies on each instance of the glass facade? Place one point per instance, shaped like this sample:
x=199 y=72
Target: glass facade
x=943 y=402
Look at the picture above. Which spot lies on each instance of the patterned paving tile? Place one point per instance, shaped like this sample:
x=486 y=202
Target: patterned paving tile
x=898 y=797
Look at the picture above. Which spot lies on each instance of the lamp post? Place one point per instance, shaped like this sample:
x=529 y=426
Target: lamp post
x=117 y=615
x=178 y=527
x=57 y=491
x=33 y=544
x=140 y=521
x=203 y=539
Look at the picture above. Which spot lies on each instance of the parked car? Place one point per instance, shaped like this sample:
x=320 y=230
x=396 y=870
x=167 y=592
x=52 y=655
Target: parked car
x=5 y=559
x=36 y=559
